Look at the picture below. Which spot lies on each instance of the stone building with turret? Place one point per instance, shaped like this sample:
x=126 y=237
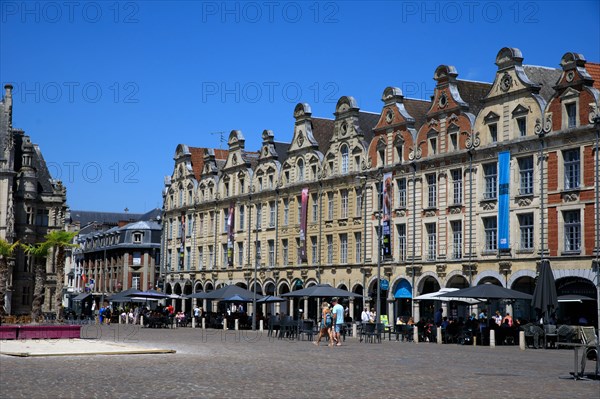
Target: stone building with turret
x=32 y=204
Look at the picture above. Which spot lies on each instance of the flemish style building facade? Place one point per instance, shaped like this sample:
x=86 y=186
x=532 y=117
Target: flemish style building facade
x=481 y=184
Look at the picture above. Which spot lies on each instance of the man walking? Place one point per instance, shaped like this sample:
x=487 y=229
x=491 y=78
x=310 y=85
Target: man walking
x=338 y=320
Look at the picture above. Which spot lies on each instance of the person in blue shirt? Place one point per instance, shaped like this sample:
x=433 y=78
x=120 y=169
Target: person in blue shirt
x=338 y=320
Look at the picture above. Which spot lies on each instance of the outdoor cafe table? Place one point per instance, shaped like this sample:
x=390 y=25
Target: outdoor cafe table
x=577 y=375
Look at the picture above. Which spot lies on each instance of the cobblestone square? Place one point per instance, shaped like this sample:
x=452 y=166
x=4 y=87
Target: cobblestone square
x=215 y=364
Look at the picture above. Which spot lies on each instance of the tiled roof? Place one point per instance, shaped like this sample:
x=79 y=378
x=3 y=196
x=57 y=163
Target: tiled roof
x=367 y=121
x=472 y=92
x=417 y=109
x=322 y=131
x=197 y=154
x=281 y=149
x=545 y=77
x=594 y=71
x=107 y=218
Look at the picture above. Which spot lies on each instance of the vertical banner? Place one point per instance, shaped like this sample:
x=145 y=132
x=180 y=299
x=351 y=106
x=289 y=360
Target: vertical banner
x=387 y=210
x=230 y=234
x=503 y=200
x=303 y=212
x=182 y=235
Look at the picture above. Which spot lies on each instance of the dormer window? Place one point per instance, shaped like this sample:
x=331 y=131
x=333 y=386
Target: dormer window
x=381 y=157
x=344 y=165
x=454 y=141
x=270 y=181
x=227 y=189
x=571 y=110
x=242 y=184
x=522 y=126
x=137 y=238
x=260 y=183
x=493 y=132
x=300 y=170
x=432 y=145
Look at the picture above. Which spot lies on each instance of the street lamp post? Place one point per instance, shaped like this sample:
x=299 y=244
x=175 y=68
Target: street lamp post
x=471 y=144
x=379 y=242
x=363 y=204
x=597 y=128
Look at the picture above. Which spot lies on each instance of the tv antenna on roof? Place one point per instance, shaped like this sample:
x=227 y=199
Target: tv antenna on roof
x=221 y=138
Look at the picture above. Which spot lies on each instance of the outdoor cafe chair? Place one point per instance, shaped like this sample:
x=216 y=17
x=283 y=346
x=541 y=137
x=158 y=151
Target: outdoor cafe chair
x=398 y=331
x=306 y=327
x=550 y=335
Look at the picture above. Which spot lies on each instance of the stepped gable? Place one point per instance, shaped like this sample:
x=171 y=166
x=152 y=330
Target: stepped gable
x=544 y=77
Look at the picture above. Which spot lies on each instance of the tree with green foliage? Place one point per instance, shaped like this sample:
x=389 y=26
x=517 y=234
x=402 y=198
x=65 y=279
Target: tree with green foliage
x=6 y=252
x=58 y=241
x=38 y=252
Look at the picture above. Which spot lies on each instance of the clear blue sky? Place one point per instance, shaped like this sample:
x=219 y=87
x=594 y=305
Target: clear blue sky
x=109 y=89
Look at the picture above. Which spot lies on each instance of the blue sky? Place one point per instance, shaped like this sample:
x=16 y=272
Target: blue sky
x=108 y=89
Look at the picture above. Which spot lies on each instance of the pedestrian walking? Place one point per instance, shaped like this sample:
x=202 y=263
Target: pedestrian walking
x=325 y=325
x=338 y=320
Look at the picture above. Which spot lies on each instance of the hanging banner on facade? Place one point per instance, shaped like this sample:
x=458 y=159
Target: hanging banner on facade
x=182 y=235
x=230 y=234
x=303 y=214
x=387 y=211
x=503 y=200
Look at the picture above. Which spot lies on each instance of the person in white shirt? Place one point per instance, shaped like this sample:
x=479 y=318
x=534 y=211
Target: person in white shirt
x=365 y=316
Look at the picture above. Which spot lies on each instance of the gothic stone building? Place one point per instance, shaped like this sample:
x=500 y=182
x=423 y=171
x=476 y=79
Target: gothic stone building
x=31 y=205
x=481 y=183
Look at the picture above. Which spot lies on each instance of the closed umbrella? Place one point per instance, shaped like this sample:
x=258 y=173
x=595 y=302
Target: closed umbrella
x=545 y=299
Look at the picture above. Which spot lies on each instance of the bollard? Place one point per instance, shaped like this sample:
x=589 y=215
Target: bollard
x=224 y=324
x=236 y=324
x=120 y=321
x=415 y=335
x=439 y=335
x=204 y=323
x=492 y=338
x=260 y=325
x=522 y=340
x=354 y=331
x=475 y=340
x=193 y=322
x=141 y=321
x=127 y=319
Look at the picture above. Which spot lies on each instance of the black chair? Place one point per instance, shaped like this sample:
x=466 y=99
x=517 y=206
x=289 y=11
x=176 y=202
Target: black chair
x=367 y=332
x=398 y=331
x=306 y=327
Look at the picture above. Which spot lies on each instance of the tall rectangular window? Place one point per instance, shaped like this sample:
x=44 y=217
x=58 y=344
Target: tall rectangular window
x=224 y=262
x=359 y=203
x=259 y=216
x=526 y=176
x=272 y=214
x=271 y=253
x=225 y=217
x=493 y=132
x=211 y=256
x=170 y=228
x=490 y=227
x=344 y=214
x=522 y=126
x=457 y=187
x=454 y=141
x=432 y=190
x=212 y=222
x=432 y=145
x=240 y=250
x=315 y=208
x=572 y=168
x=201 y=232
x=242 y=217
x=571 y=109
x=490 y=172
x=135 y=281
x=572 y=231
x=285 y=251
x=431 y=241
x=402 y=241
x=314 y=250
x=343 y=248
x=298 y=258
x=169 y=259
x=526 y=230
x=188 y=258
x=200 y=258
x=286 y=212
x=330 y=206
x=258 y=251
x=299 y=203
x=401 y=192
x=357 y=247
x=329 y=249
x=457 y=239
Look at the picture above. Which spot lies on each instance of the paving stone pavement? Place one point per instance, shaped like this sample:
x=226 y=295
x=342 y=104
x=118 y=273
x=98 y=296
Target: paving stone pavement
x=211 y=364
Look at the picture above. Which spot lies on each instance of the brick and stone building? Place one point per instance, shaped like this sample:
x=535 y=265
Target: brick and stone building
x=483 y=183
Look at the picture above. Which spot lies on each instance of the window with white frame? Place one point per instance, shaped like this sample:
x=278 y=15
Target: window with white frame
x=453 y=141
x=572 y=230
x=399 y=153
x=224 y=262
x=526 y=230
x=242 y=217
x=188 y=258
x=270 y=177
x=490 y=228
x=286 y=212
x=571 y=111
x=315 y=208
x=225 y=217
x=344 y=195
x=285 y=251
x=330 y=206
x=522 y=126
x=314 y=250
x=359 y=204
x=271 y=253
x=526 y=176
x=299 y=206
x=490 y=175
x=240 y=249
x=572 y=168
x=457 y=239
x=169 y=259
x=272 y=214
x=137 y=238
x=401 y=183
x=457 y=187
x=431 y=241
x=401 y=228
x=344 y=163
x=431 y=190
x=135 y=281
x=357 y=247
x=258 y=252
x=329 y=249
x=343 y=248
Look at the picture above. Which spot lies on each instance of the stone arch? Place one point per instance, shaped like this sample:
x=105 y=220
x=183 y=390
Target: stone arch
x=397 y=280
x=342 y=286
x=209 y=286
x=488 y=273
x=269 y=287
x=421 y=281
x=283 y=284
x=198 y=287
x=521 y=273
x=310 y=282
x=584 y=273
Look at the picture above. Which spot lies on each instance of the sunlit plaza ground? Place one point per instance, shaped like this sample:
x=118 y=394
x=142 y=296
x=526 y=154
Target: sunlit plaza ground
x=216 y=364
